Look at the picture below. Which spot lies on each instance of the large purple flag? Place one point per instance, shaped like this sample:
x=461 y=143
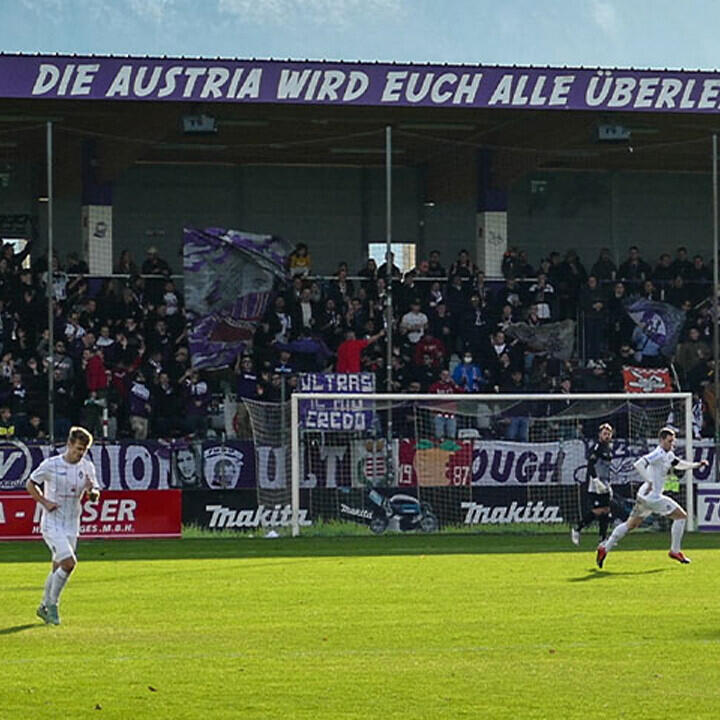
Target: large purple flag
x=229 y=276
x=660 y=322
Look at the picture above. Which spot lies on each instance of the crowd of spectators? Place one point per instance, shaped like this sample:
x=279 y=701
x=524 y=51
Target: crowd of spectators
x=119 y=345
x=450 y=318
x=121 y=342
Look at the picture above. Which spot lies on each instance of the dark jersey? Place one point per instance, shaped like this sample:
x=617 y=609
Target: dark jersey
x=598 y=467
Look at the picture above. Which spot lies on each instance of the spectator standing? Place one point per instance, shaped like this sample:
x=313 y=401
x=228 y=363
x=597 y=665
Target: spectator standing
x=299 y=262
x=7 y=424
x=604 y=269
x=350 y=351
x=444 y=421
x=165 y=406
x=126 y=265
x=594 y=310
x=681 y=265
x=542 y=294
x=634 y=271
x=414 y=323
x=197 y=400
x=468 y=376
x=140 y=408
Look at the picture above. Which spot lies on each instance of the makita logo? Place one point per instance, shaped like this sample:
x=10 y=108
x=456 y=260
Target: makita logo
x=278 y=516
x=355 y=512
x=533 y=512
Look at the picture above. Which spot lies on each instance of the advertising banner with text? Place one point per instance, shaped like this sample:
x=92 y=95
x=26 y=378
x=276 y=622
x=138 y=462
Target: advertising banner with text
x=117 y=515
x=346 y=83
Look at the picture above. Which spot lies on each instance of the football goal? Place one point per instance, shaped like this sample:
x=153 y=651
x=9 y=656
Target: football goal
x=376 y=463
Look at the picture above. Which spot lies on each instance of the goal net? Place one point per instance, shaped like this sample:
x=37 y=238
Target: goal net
x=363 y=463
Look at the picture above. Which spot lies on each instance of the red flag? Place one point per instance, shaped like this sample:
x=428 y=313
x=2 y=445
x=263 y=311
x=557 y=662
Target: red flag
x=646 y=380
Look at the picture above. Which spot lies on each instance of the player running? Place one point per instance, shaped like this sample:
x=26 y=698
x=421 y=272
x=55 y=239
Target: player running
x=653 y=468
x=65 y=479
x=599 y=490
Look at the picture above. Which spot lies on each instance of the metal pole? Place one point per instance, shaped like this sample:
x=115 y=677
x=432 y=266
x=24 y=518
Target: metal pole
x=51 y=329
x=689 y=474
x=388 y=251
x=295 y=465
x=389 y=309
x=716 y=341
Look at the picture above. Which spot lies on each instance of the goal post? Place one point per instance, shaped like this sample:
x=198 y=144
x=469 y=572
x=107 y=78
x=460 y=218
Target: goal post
x=437 y=462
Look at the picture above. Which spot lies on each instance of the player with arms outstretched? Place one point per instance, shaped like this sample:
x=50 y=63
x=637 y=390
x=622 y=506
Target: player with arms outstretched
x=599 y=490
x=65 y=480
x=653 y=468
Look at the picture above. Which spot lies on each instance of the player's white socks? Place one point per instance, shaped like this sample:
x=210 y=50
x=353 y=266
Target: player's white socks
x=616 y=536
x=46 y=589
x=676 y=532
x=60 y=577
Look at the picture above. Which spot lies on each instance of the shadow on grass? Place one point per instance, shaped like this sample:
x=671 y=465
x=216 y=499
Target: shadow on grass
x=478 y=543
x=19 y=628
x=596 y=574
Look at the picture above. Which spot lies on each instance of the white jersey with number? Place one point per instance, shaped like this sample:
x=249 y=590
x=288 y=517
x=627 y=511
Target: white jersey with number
x=63 y=483
x=658 y=464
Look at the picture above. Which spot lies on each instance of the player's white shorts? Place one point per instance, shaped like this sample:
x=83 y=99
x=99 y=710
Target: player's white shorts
x=662 y=505
x=62 y=545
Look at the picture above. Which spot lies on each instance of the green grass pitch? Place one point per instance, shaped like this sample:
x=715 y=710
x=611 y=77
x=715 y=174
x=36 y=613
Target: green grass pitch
x=457 y=626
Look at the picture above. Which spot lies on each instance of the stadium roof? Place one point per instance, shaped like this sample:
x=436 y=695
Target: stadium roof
x=334 y=113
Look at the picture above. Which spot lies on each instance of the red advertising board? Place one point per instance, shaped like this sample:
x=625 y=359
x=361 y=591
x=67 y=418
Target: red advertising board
x=118 y=514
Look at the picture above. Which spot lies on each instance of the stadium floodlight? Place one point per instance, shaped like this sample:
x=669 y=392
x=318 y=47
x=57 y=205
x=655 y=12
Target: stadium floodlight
x=449 y=457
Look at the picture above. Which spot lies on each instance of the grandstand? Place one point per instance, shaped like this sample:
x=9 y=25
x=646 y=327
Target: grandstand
x=525 y=203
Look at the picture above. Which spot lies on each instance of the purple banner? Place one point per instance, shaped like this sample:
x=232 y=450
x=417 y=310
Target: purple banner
x=150 y=465
x=229 y=276
x=250 y=81
x=337 y=414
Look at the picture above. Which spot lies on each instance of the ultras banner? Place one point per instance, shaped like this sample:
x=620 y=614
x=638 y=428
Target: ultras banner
x=335 y=83
x=116 y=515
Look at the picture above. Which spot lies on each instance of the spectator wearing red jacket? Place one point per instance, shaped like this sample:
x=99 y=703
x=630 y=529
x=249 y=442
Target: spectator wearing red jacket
x=432 y=346
x=350 y=352
x=96 y=374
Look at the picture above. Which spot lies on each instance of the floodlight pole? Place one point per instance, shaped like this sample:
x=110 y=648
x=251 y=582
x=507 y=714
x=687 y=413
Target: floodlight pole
x=50 y=286
x=716 y=314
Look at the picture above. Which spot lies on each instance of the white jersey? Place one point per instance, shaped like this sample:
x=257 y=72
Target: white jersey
x=658 y=464
x=63 y=483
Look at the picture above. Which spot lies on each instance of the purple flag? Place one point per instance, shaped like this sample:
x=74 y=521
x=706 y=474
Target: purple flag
x=229 y=276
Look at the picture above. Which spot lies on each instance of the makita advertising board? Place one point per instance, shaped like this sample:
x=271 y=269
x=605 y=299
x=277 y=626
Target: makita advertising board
x=382 y=509
x=117 y=515
x=238 y=510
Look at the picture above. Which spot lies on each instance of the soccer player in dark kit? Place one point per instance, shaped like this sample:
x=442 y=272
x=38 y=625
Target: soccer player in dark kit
x=599 y=490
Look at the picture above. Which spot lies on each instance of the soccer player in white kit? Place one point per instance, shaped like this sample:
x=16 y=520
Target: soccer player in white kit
x=65 y=479
x=653 y=468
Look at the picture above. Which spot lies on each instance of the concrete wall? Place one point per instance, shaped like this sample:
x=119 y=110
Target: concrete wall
x=587 y=211
x=338 y=210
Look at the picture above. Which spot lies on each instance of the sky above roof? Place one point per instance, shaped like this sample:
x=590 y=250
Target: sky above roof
x=622 y=33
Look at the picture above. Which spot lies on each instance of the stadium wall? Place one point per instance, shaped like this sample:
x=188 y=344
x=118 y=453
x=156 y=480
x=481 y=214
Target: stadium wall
x=590 y=210
x=338 y=210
